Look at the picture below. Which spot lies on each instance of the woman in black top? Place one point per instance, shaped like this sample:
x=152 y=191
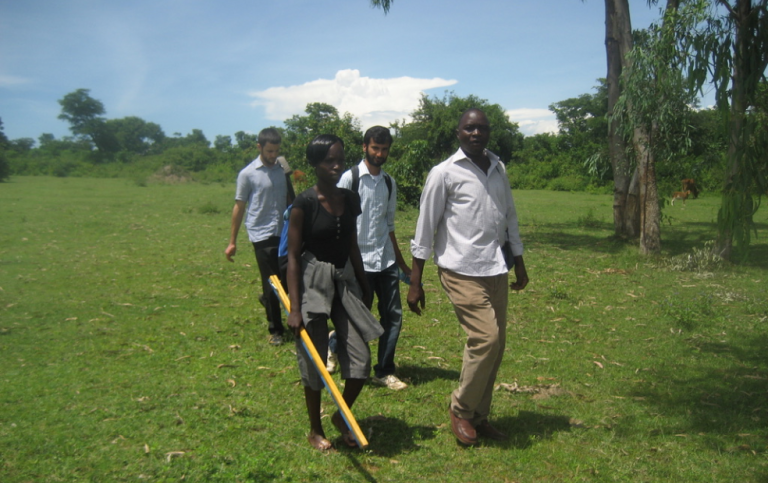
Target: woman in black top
x=323 y=224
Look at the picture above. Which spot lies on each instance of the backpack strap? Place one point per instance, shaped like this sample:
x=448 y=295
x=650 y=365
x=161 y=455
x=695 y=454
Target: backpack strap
x=356 y=181
x=309 y=221
x=388 y=180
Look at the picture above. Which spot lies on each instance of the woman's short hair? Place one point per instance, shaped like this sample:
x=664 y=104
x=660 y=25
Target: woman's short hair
x=318 y=148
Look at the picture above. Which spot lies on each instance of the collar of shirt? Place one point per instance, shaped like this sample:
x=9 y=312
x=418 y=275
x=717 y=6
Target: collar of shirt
x=460 y=156
x=258 y=163
x=365 y=171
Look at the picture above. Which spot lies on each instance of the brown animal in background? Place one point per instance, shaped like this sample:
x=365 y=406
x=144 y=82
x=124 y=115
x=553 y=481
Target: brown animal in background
x=677 y=195
x=299 y=176
x=690 y=185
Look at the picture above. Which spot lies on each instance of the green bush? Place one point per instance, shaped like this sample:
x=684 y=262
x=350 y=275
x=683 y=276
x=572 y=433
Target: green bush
x=208 y=208
x=5 y=167
x=567 y=183
x=409 y=172
x=217 y=173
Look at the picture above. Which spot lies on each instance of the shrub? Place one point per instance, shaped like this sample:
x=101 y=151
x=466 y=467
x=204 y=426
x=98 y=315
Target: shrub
x=704 y=259
x=567 y=183
x=589 y=220
x=5 y=167
x=208 y=208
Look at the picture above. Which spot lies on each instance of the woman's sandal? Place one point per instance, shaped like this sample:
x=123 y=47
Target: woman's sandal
x=319 y=442
x=346 y=434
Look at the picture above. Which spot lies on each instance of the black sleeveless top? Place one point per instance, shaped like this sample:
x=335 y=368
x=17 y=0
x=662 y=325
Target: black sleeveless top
x=328 y=237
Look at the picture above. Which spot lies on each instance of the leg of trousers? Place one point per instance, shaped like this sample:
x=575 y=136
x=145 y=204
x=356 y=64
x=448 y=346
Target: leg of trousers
x=266 y=258
x=386 y=286
x=480 y=304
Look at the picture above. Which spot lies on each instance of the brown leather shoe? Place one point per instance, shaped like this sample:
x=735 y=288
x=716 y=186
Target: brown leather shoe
x=463 y=430
x=485 y=430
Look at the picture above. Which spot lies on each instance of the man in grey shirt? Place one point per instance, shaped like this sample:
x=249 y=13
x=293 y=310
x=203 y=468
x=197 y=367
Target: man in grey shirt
x=261 y=198
x=467 y=215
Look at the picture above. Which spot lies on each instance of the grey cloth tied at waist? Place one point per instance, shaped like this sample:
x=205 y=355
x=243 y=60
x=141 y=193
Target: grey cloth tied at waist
x=322 y=281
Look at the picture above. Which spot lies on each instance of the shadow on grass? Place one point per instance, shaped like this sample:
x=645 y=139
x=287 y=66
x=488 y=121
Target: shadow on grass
x=675 y=240
x=418 y=375
x=388 y=437
x=555 y=235
x=723 y=399
x=527 y=427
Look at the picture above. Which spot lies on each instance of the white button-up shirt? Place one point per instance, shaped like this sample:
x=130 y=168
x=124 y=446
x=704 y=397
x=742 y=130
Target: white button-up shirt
x=465 y=217
x=265 y=190
x=377 y=219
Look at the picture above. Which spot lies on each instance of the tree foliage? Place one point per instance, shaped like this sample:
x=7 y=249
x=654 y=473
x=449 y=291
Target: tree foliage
x=731 y=47
x=135 y=135
x=5 y=169
x=320 y=118
x=652 y=110
x=84 y=115
x=435 y=121
x=382 y=4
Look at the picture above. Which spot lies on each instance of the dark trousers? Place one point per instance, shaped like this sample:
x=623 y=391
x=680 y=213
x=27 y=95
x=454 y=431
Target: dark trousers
x=266 y=258
x=385 y=285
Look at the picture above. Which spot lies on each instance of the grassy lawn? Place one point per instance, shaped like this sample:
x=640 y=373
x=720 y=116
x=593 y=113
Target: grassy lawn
x=131 y=350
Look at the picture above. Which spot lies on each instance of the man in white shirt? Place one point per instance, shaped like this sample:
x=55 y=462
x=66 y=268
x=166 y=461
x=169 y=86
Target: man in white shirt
x=261 y=198
x=467 y=215
x=378 y=245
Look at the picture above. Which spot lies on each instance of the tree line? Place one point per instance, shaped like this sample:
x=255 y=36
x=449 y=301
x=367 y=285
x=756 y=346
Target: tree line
x=574 y=159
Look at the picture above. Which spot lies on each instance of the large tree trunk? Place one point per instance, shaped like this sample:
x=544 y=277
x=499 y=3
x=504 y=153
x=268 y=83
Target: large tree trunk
x=618 y=42
x=650 y=215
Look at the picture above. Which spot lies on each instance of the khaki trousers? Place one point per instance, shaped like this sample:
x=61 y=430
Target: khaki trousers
x=480 y=304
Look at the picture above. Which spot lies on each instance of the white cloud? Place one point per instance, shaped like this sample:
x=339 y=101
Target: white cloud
x=534 y=121
x=9 y=80
x=372 y=101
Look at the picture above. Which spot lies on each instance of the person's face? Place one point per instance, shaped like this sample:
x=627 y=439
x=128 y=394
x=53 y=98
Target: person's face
x=376 y=154
x=330 y=168
x=474 y=132
x=269 y=153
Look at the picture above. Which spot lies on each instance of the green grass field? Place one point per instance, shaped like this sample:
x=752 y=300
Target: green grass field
x=131 y=350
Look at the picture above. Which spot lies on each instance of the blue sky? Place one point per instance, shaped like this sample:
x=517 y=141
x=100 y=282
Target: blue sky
x=242 y=65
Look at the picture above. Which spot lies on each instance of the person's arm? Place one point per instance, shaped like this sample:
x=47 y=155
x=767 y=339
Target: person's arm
x=391 y=209
x=293 y=273
x=399 y=255
x=416 y=298
x=237 y=219
x=520 y=273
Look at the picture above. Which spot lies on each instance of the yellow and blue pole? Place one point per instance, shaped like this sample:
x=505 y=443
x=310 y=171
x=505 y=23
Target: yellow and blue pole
x=346 y=413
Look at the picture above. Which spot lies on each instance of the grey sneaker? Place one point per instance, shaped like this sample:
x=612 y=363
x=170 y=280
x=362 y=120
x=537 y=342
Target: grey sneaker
x=333 y=363
x=391 y=381
x=275 y=339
